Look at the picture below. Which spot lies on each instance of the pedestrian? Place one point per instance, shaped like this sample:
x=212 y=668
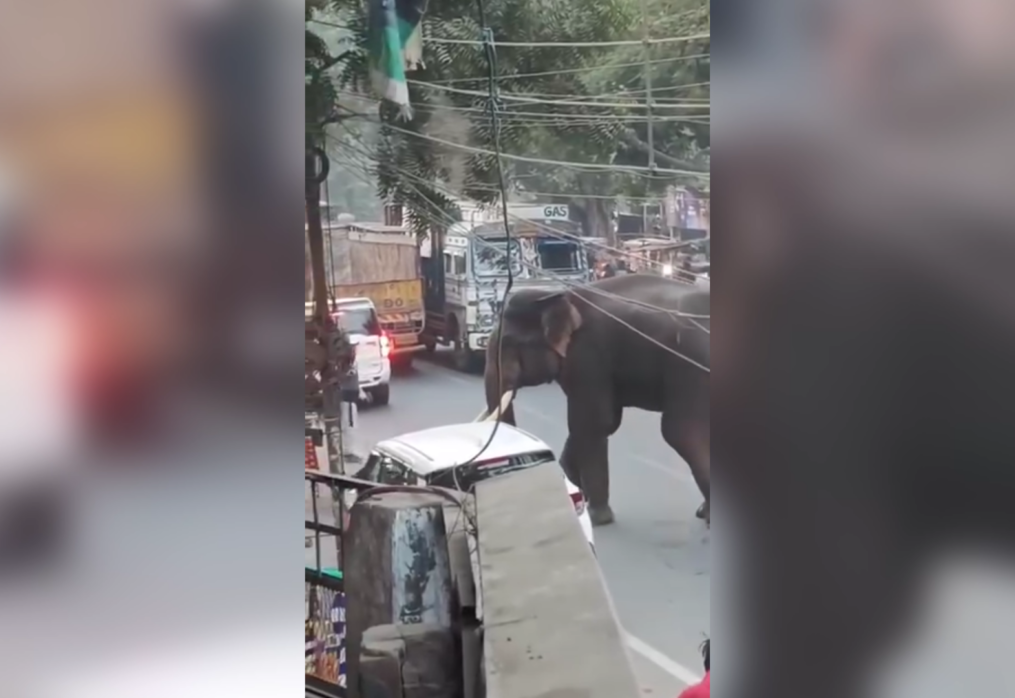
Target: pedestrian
x=701 y=689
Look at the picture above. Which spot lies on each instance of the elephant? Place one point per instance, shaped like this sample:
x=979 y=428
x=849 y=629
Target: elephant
x=627 y=341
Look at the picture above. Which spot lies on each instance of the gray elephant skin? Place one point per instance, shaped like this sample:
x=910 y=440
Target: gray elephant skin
x=627 y=341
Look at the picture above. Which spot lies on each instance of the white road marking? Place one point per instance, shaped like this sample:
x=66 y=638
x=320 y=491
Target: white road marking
x=674 y=669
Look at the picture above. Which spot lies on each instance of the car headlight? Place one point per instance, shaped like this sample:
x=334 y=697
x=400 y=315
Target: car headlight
x=667 y=270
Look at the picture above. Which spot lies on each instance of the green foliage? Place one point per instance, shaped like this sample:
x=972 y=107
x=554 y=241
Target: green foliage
x=420 y=172
x=680 y=74
x=332 y=120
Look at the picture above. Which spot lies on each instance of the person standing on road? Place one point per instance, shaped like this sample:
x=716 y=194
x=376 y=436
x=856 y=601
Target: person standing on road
x=701 y=689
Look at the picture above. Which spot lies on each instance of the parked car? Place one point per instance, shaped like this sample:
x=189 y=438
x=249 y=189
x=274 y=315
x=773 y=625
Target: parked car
x=358 y=317
x=432 y=457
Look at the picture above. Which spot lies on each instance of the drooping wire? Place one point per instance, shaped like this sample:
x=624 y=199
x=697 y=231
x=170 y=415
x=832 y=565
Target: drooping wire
x=495 y=107
x=553 y=232
x=678 y=315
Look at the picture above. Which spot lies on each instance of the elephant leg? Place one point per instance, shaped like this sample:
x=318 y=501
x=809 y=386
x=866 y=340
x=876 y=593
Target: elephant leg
x=569 y=460
x=691 y=438
x=585 y=462
x=586 y=458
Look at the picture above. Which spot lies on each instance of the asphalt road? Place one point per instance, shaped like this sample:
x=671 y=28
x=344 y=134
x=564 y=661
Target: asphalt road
x=655 y=557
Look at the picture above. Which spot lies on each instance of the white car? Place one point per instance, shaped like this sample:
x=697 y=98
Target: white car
x=358 y=317
x=430 y=457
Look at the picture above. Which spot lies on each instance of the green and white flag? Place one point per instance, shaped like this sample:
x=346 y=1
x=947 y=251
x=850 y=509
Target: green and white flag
x=396 y=47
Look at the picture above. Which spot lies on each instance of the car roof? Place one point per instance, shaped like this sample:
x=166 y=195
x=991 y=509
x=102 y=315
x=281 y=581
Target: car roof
x=440 y=448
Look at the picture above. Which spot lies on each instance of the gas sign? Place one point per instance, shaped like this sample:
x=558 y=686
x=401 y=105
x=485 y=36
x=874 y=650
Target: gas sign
x=546 y=212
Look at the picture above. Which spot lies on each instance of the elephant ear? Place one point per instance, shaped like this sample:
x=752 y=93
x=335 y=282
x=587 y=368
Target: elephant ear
x=560 y=320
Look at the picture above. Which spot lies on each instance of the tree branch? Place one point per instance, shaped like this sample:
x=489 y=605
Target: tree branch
x=632 y=138
x=335 y=60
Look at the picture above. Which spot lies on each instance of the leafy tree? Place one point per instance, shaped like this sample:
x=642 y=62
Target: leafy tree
x=562 y=123
x=320 y=63
x=409 y=164
x=680 y=75
x=328 y=352
x=333 y=116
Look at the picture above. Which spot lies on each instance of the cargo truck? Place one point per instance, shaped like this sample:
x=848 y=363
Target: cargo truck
x=380 y=262
x=465 y=268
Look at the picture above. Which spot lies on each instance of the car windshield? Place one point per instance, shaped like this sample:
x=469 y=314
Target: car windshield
x=490 y=256
x=465 y=477
x=358 y=319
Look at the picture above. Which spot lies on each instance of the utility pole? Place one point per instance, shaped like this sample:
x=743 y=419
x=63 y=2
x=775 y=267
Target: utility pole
x=317 y=169
x=650 y=136
x=647 y=42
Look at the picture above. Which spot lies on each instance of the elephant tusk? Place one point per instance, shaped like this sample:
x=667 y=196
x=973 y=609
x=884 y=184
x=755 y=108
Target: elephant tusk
x=505 y=402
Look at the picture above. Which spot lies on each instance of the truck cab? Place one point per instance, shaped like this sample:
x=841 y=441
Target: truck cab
x=467 y=271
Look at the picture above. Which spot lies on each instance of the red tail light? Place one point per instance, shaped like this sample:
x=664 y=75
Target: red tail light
x=579 y=503
x=385 y=346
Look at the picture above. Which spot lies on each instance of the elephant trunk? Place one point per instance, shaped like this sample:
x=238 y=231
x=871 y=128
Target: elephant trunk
x=499 y=378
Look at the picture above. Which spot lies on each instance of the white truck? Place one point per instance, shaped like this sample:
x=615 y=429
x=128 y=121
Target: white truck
x=465 y=270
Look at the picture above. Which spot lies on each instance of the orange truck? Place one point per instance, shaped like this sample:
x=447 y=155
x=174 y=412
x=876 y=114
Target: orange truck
x=381 y=262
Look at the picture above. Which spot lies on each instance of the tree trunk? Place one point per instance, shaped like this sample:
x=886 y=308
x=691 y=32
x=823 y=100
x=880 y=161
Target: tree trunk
x=595 y=217
x=600 y=225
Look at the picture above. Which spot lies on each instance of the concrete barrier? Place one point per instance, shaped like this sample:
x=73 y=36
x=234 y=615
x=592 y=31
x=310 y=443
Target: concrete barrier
x=519 y=611
x=549 y=627
x=399 y=576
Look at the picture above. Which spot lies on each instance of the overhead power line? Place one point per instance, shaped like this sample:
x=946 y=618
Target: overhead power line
x=588 y=166
x=554 y=232
x=573 y=44
x=442 y=217
x=563 y=102
x=584 y=69
x=547 y=229
x=539 y=44
x=536 y=116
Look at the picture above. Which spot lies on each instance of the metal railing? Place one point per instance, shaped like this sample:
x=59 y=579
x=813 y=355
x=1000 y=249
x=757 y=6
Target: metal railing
x=325 y=587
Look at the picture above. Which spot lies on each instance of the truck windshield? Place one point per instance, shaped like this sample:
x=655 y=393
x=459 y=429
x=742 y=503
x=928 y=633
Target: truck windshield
x=468 y=476
x=358 y=319
x=490 y=256
x=559 y=255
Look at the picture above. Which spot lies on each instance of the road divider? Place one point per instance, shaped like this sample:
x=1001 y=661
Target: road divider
x=549 y=627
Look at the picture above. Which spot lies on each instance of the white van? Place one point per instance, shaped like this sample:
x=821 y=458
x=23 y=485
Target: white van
x=358 y=317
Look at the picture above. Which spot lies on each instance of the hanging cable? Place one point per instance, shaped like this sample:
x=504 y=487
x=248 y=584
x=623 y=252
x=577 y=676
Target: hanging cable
x=495 y=106
x=679 y=315
x=360 y=148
